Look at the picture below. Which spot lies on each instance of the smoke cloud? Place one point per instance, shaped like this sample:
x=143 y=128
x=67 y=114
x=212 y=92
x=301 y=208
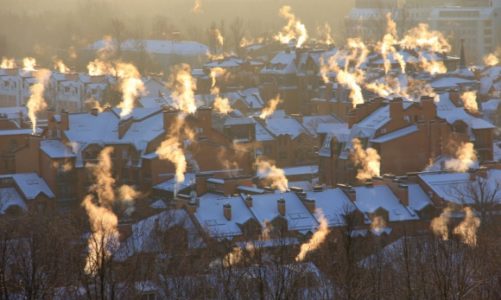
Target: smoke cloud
x=316 y=239
x=367 y=161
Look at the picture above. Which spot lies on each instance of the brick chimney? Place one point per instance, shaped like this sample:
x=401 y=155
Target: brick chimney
x=455 y=97
x=396 y=108
x=65 y=120
x=94 y=111
x=281 y=206
x=200 y=184
x=123 y=126
x=169 y=115
x=248 y=201
x=310 y=205
x=227 y=211
x=204 y=117
x=428 y=106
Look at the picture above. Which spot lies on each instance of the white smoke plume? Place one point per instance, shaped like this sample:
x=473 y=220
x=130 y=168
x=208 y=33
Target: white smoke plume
x=270 y=108
x=36 y=103
x=8 y=63
x=172 y=149
x=29 y=64
x=293 y=30
x=367 y=161
x=378 y=224
x=467 y=229
x=183 y=87
x=61 y=67
x=466 y=158
x=104 y=239
x=272 y=175
x=439 y=225
x=316 y=239
x=325 y=34
x=131 y=87
x=197 y=7
x=469 y=99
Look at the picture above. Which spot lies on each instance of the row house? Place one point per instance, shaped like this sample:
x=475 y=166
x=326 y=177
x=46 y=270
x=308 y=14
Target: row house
x=74 y=140
x=21 y=192
x=407 y=135
x=288 y=140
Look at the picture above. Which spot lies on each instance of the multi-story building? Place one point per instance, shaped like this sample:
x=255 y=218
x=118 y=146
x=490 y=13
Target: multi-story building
x=477 y=26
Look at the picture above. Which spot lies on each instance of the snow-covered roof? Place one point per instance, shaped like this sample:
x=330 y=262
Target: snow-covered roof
x=448 y=82
x=56 y=149
x=334 y=205
x=181 y=48
x=395 y=134
x=145 y=236
x=210 y=215
x=5 y=132
x=301 y=170
x=10 y=197
x=265 y=208
x=369 y=199
x=282 y=124
x=282 y=63
x=172 y=185
x=490 y=105
x=30 y=184
x=417 y=197
x=102 y=129
x=447 y=110
x=313 y=123
x=262 y=134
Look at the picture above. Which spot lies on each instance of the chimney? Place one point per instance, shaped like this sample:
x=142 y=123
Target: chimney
x=227 y=211
x=396 y=108
x=462 y=58
x=200 y=184
x=428 y=106
x=455 y=97
x=191 y=207
x=94 y=111
x=403 y=193
x=310 y=205
x=65 y=120
x=170 y=116
x=298 y=117
x=123 y=126
x=281 y=206
x=248 y=201
x=204 y=116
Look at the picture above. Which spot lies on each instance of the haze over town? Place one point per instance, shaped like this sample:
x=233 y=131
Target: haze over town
x=216 y=149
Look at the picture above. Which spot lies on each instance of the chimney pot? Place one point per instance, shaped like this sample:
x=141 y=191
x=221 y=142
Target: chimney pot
x=227 y=211
x=281 y=206
x=248 y=201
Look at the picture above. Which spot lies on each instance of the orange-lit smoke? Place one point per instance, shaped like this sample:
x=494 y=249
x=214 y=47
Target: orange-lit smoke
x=183 y=87
x=439 y=225
x=464 y=160
x=325 y=34
x=469 y=99
x=293 y=30
x=378 y=224
x=172 y=149
x=61 y=67
x=29 y=64
x=387 y=46
x=467 y=229
x=36 y=103
x=105 y=237
x=491 y=60
x=270 y=108
x=421 y=37
x=316 y=239
x=131 y=87
x=272 y=176
x=367 y=161
x=197 y=7
x=8 y=63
